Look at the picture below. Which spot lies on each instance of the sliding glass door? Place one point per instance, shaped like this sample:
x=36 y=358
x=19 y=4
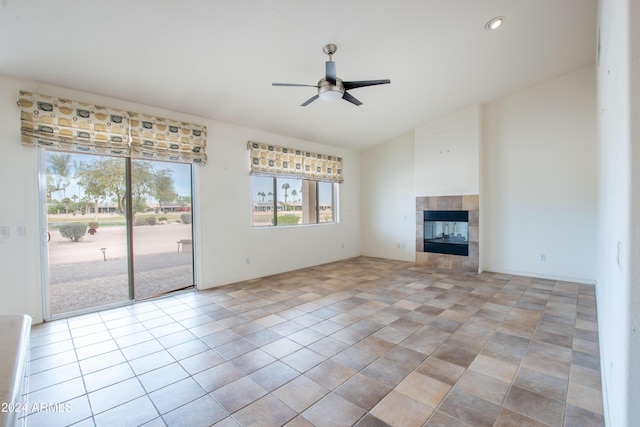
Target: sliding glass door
x=118 y=230
x=162 y=233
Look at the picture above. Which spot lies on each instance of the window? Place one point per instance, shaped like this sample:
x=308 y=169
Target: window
x=279 y=201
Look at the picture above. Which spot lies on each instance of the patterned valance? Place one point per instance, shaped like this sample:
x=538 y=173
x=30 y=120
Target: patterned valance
x=156 y=138
x=290 y=162
x=65 y=125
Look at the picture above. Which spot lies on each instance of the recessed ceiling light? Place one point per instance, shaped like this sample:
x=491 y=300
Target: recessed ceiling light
x=494 y=24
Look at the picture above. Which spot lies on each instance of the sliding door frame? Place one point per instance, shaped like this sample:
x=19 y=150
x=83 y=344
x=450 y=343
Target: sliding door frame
x=44 y=243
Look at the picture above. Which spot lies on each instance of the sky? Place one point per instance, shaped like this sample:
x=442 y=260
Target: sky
x=181 y=174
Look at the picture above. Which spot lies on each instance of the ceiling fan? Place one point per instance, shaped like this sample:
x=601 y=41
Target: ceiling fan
x=331 y=87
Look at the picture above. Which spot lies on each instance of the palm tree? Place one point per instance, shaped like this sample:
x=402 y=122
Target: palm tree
x=261 y=195
x=270 y=194
x=294 y=193
x=285 y=187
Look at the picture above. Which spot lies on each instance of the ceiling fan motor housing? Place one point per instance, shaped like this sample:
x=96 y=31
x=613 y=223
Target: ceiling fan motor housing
x=328 y=91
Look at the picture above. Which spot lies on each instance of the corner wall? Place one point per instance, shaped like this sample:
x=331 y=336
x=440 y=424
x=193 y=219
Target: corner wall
x=388 y=200
x=538 y=199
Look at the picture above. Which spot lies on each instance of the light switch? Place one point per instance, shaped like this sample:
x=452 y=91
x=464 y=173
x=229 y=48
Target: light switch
x=4 y=232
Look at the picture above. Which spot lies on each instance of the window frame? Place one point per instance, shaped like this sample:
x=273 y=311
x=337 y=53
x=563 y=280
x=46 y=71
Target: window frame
x=274 y=206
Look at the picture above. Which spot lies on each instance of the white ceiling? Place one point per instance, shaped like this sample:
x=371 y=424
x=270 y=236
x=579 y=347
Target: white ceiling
x=218 y=58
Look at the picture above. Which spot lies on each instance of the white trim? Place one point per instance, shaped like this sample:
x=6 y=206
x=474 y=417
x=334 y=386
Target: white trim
x=44 y=243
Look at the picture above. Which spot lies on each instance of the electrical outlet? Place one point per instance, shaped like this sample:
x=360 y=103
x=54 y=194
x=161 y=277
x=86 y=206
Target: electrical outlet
x=543 y=258
x=247 y=261
x=21 y=231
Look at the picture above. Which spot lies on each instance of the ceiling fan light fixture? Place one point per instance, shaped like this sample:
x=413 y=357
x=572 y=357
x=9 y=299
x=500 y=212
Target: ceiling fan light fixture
x=494 y=23
x=331 y=95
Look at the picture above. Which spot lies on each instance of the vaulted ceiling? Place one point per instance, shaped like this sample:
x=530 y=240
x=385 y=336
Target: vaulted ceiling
x=218 y=58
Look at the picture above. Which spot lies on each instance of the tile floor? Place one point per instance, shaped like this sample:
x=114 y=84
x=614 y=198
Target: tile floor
x=365 y=342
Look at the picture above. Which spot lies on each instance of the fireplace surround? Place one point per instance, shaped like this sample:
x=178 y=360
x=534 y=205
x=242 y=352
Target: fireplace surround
x=439 y=243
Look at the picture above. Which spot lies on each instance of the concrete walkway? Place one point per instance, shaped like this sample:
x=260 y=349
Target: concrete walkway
x=80 y=277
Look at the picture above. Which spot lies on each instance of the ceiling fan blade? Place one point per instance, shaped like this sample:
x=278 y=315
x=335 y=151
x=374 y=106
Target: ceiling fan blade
x=363 y=83
x=309 y=101
x=330 y=74
x=292 y=84
x=348 y=97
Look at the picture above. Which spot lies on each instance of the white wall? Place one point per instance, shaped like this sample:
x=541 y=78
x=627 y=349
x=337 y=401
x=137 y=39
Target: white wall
x=388 y=200
x=225 y=237
x=618 y=239
x=530 y=156
x=226 y=234
x=20 y=258
x=538 y=180
x=447 y=153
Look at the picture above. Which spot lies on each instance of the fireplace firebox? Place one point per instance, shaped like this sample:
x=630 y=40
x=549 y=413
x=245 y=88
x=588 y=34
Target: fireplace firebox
x=446 y=232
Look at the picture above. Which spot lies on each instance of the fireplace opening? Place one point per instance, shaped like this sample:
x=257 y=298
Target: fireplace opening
x=446 y=232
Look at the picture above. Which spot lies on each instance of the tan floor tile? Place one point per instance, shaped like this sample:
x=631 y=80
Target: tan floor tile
x=547 y=364
x=534 y=405
x=290 y=393
x=470 y=409
x=399 y=410
x=333 y=411
x=541 y=383
x=508 y=418
x=483 y=386
x=441 y=370
x=585 y=377
x=578 y=417
x=495 y=368
x=330 y=374
x=585 y=398
x=362 y=391
x=424 y=389
x=238 y=394
x=266 y=411
x=218 y=376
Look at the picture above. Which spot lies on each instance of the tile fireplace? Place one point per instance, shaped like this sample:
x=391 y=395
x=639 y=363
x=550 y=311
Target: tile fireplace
x=447 y=232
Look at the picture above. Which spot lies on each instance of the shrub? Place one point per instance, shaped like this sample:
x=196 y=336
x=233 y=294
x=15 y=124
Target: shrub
x=151 y=220
x=140 y=221
x=73 y=231
x=288 y=219
x=94 y=224
x=185 y=218
x=162 y=218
